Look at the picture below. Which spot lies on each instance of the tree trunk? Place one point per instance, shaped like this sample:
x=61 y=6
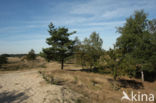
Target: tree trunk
x=82 y=62
x=115 y=73
x=142 y=76
x=62 y=62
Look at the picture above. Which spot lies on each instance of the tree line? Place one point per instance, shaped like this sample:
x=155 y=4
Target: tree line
x=134 y=53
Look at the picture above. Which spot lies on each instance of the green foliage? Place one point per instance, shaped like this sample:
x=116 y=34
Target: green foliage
x=31 y=55
x=127 y=66
x=114 y=61
x=3 y=59
x=89 y=51
x=132 y=32
x=137 y=43
x=134 y=51
x=61 y=46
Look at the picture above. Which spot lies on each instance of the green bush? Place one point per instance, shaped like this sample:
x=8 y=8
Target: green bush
x=3 y=59
x=31 y=55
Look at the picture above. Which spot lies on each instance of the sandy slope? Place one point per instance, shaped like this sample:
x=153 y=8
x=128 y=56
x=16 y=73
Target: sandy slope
x=29 y=87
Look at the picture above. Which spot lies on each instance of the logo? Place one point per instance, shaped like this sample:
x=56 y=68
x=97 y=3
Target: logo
x=138 y=97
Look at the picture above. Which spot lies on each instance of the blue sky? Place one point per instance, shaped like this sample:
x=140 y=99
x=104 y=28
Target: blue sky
x=24 y=23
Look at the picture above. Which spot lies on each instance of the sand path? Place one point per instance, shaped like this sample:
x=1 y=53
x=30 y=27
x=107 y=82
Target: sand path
x=29 y=87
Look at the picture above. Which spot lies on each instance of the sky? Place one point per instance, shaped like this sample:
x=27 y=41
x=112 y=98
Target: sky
x=24 y=23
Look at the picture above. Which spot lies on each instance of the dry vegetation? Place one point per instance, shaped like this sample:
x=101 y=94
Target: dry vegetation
x=18 y=63
x=96 y=88
x=91 y=87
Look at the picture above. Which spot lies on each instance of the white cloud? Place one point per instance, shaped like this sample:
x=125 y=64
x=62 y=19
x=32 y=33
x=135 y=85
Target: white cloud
x=86 y=12
x=112 y=23
x=109 y=9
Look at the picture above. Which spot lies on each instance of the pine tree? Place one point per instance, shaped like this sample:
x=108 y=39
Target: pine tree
x=60 y=44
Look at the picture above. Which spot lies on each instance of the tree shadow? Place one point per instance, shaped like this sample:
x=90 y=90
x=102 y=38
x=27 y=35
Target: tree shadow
x=86 y=70
x=82 y=70
x=148 y=76
x=124 y=83
x=9 y=97
x=97 y=70
x=72 y=69
x=94 y=70
x=131 y=83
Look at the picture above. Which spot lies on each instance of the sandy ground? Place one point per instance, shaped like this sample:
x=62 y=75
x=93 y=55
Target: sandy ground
x=29 y=87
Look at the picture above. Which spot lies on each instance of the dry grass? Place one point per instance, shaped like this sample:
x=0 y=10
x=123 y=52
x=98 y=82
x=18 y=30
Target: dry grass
x=16 y=63
x=96 y=88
